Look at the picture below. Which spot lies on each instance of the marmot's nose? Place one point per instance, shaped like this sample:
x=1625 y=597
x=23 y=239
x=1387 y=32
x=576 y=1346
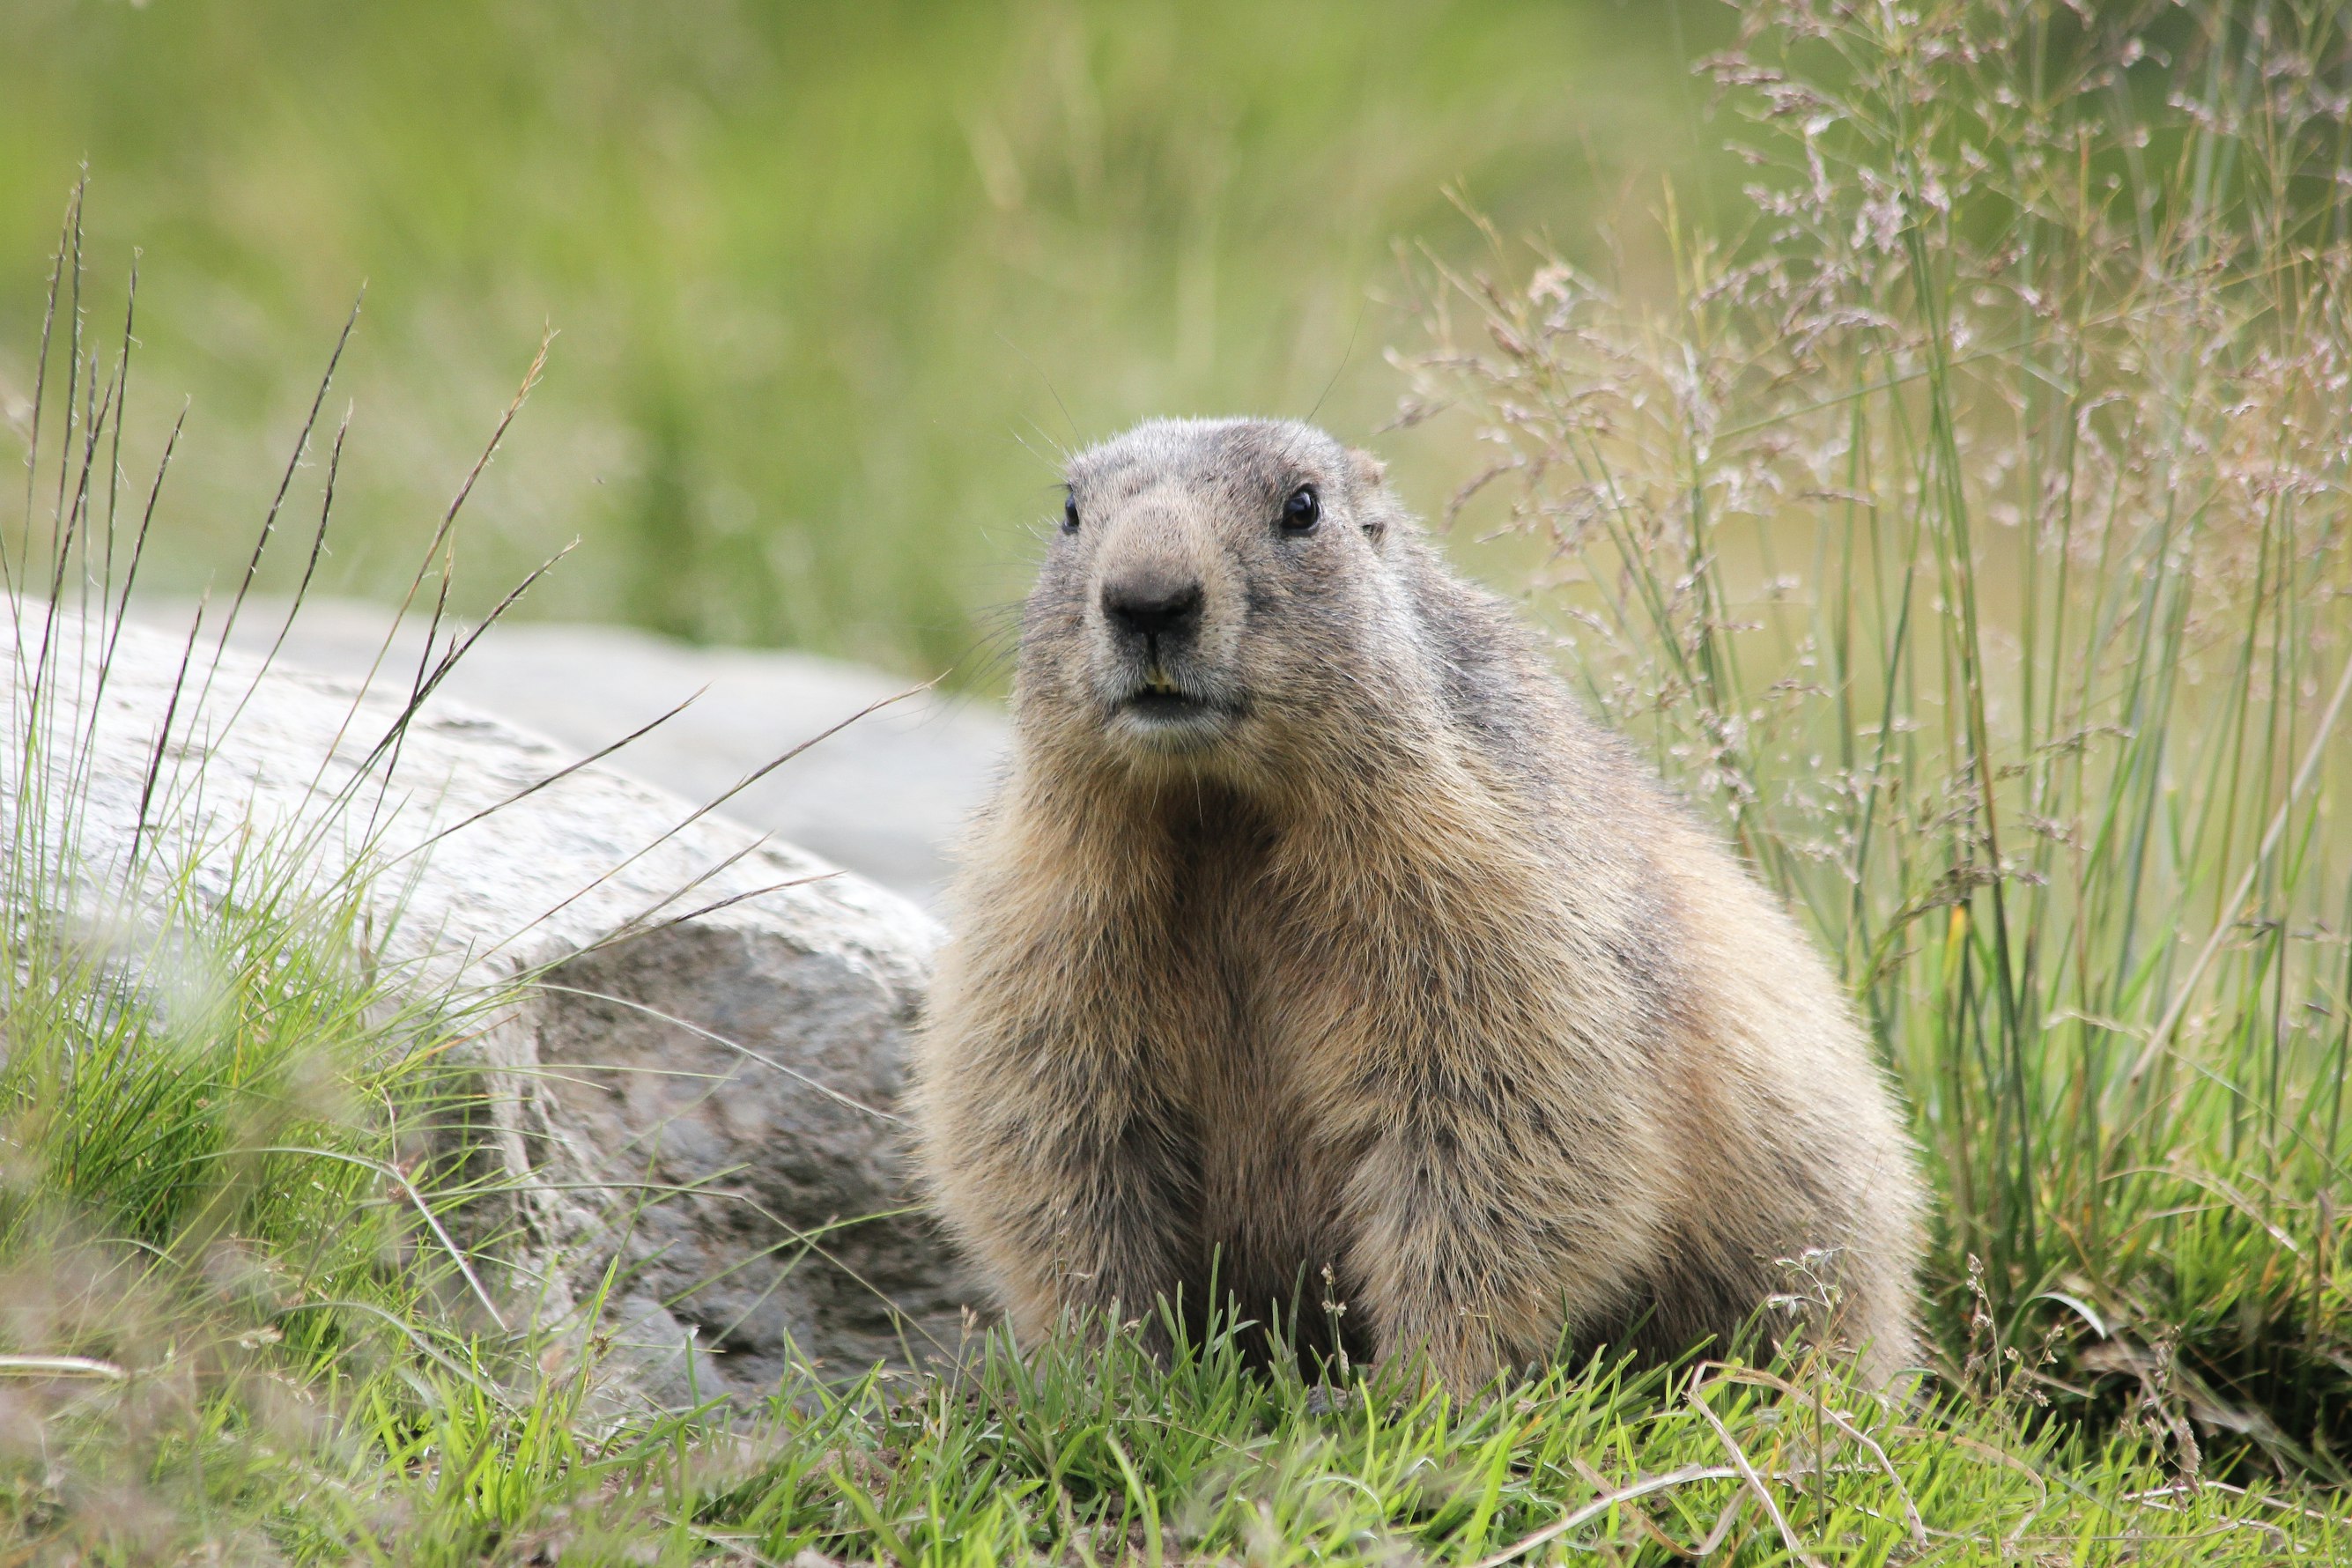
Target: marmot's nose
x=1153 y=604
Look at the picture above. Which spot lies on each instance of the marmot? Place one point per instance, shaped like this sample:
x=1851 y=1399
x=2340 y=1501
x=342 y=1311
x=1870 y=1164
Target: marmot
x=1317 y=938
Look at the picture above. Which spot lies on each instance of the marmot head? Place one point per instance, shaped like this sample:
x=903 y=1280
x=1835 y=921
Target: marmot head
x=1216 y=590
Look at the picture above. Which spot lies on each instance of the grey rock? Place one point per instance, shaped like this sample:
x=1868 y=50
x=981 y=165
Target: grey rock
x=884 y=797
x=749 y=1053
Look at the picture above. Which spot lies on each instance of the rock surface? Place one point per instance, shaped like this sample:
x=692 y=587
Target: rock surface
x=708 y=1099
x=884 y=797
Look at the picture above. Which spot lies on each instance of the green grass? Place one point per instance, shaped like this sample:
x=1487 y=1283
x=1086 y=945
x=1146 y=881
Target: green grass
x=1969 y=534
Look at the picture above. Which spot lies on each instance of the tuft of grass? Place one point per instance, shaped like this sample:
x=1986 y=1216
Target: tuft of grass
x=1072 y=1456
x=226 y=1218
x=1969 y=536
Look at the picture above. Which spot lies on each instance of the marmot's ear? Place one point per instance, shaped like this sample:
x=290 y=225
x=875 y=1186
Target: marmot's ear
x=1370 y=476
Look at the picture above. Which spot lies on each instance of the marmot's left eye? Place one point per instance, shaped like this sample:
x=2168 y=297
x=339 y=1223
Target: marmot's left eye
x=1302 y=511
x=1070 y=515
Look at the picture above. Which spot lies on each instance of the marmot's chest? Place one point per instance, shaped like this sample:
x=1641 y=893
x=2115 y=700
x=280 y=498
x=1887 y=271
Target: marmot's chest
x=1273 y=1171
x=1247 y=1038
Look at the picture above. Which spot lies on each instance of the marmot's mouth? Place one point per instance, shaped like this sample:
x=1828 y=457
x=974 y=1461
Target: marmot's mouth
x=1171 y=719
x=1168 y=704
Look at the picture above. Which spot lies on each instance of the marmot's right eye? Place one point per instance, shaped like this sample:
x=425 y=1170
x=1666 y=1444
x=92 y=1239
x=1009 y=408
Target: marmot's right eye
x=1070 y=514
x=1302 y=511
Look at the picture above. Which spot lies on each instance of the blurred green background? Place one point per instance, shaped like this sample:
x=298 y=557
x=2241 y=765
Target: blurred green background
x=833 y=282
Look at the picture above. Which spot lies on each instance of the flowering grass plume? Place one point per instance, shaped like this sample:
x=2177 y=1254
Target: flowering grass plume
x=1967 y=531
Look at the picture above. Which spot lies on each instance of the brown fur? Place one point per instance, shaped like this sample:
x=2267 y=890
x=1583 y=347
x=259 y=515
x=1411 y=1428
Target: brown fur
x=1369 y=954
